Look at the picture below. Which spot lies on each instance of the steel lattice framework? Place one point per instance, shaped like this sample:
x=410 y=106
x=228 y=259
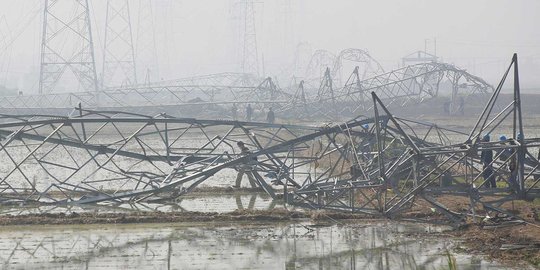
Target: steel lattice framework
x=249 y=54
x=370 y=66
x=119 y=66
x=405 y=86
x=378 y=166
x=321 y=60
x=76 y=56
x=146 y=56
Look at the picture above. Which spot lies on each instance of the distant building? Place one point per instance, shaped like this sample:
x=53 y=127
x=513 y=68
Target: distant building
x=418 y=57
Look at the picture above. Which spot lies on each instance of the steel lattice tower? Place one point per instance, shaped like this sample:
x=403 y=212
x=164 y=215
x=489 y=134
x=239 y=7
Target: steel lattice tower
x=146 y=57
x=67 y=45
x=250 y=59
x=118 y=52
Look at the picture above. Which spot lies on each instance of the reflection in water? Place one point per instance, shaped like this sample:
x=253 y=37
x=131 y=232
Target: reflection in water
x=221 y=203
x=277 y=246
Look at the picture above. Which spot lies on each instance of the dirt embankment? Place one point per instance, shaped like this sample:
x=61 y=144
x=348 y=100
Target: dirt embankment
x=147 y=217
x=275 y=215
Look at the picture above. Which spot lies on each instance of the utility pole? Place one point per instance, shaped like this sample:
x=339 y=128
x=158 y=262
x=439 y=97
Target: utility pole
x=118 y=52
x=67 y=45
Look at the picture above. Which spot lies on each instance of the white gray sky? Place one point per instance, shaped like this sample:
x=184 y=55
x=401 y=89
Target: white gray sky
x=197 y=37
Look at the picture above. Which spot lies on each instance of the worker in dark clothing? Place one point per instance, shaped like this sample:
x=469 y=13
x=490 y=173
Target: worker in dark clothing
x=245 y=168
x=446 y=108
x=243 y=149
x=234 y=112
x=270 y=117
x=249 y=112
x=461 y=106
x=487 y=158
x=508 y=156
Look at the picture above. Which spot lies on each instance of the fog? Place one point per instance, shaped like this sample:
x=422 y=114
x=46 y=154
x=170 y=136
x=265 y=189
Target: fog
x=202 y=37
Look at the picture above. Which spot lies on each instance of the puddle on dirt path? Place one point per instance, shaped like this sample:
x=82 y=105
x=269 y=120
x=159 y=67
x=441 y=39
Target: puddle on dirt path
x=257 y=246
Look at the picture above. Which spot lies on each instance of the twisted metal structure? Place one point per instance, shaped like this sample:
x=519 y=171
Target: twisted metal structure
x=319 y=62
x=108 y=156
x=378 y=166
x=208 y=96
x=410 y=167
x=359 y=58
x=402 y=87
x=322 y=60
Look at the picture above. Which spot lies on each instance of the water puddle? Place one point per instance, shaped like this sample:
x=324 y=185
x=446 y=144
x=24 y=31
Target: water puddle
x=223 y=246
x=221 y=203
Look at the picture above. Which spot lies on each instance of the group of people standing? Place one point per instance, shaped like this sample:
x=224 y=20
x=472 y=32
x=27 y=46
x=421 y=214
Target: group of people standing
x=270 y=115
x=506 y=155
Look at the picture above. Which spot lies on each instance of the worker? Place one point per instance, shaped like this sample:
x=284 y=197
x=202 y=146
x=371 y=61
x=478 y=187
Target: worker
x=507 y=155
x=234 y=112
x=446 y=108
x=487 y=158
x=270 y=116
x=243 y=149
x=461 y=106
x=249 y=112
x=246 y=167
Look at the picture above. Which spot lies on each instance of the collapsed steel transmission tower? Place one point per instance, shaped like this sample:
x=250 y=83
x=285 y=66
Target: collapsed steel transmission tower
x=118 y=53
x=67 y=45
x=380 y=166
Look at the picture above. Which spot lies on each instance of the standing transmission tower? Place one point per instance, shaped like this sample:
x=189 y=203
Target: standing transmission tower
x=118 y=52
x=250 y=59
x=67 y=45
x=146 y=57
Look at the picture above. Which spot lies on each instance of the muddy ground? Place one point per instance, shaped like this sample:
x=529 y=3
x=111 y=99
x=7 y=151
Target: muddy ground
x=500 y=237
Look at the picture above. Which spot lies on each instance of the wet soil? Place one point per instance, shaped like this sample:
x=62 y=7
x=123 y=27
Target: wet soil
x=274 y=215
x=500 y=237
x=518 y=245
x=150 y=217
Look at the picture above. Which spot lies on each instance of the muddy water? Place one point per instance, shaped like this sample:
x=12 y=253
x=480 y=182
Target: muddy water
x=224 y=246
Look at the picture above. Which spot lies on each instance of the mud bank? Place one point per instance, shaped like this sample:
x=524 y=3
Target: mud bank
x=274 y=215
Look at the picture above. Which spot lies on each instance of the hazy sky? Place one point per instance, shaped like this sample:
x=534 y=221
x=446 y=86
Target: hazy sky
x=199 y=36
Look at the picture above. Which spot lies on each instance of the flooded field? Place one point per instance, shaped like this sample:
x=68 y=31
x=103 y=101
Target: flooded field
x=226 y=246
x=196 y=202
